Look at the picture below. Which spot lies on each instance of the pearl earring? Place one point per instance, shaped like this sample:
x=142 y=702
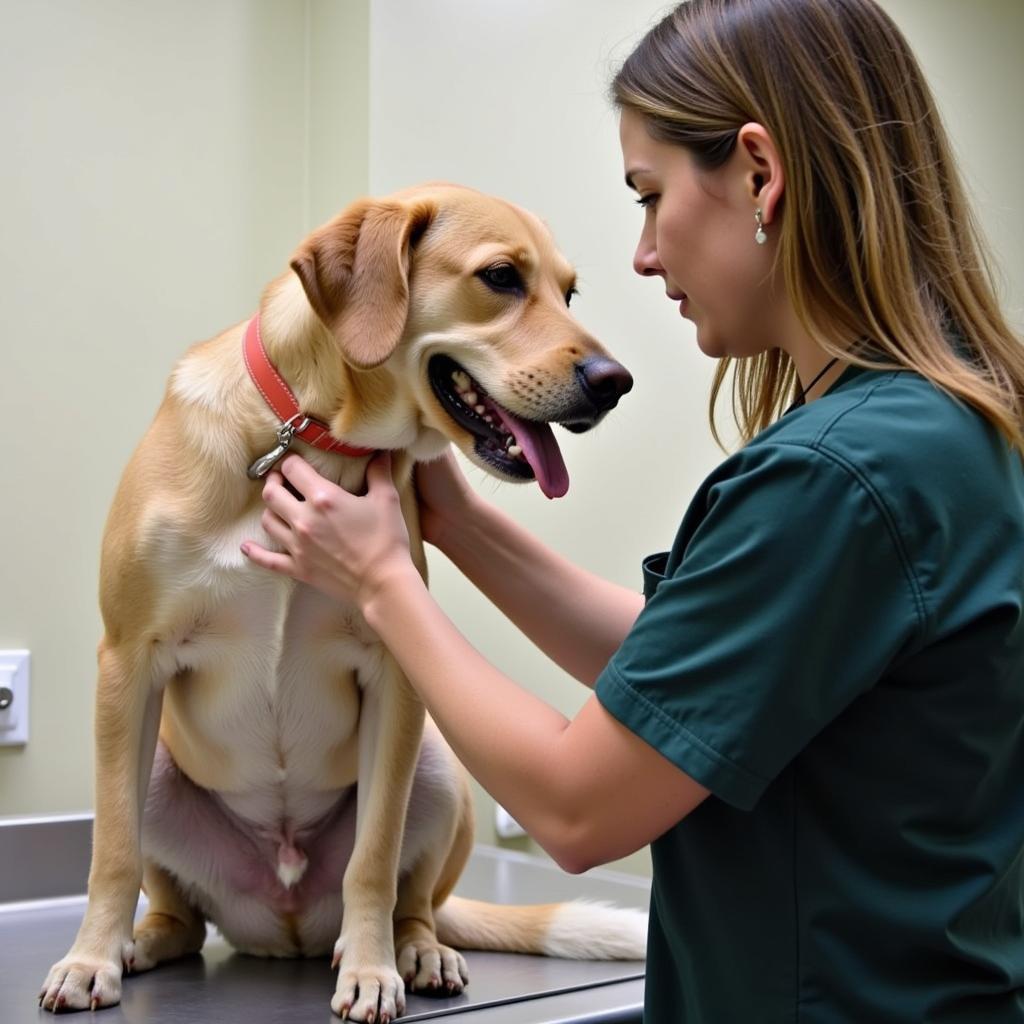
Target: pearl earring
x=759 y=236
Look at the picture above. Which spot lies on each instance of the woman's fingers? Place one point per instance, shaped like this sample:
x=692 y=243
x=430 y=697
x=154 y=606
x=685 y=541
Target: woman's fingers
x=379 y=472
x=280 y=563
x=276 y=527
x=301 y=475
x=277 y=497
x=444 y=497
x=332 y=540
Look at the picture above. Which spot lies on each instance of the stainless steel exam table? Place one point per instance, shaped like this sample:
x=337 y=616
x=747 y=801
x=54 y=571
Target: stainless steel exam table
x=43 y=865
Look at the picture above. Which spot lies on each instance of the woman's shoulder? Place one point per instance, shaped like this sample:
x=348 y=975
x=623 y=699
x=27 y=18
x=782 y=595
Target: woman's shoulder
x=889 y=454
x=898 y=433
x=930 y=468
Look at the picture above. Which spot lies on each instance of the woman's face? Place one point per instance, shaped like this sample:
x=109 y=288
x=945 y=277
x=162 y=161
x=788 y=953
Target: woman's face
x=698 y=236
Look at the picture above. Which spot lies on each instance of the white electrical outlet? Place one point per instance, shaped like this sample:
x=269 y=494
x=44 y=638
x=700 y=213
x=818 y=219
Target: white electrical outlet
x=13 y=698
x=505 y=825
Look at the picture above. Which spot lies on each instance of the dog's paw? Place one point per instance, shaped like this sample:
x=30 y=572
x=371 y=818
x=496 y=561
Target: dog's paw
x=431 y=968
x=83 y=981
x=160 y=937
x=371 y=994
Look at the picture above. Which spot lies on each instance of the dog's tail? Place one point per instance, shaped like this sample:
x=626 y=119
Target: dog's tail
x=579 y=930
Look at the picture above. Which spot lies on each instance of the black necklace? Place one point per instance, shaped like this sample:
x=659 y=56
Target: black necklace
x=802 y=397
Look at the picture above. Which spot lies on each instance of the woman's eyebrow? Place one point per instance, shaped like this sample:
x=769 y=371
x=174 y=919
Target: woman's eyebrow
x=630 y=175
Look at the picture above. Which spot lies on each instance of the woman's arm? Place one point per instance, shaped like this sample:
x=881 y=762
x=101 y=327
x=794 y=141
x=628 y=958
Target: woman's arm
x=588 y=790
x=575 y=617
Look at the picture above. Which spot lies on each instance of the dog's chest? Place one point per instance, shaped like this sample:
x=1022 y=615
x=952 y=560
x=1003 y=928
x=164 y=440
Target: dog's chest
x=263 y=704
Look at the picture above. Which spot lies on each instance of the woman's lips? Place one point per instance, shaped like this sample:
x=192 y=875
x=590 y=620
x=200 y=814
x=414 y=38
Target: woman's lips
x=681 y=298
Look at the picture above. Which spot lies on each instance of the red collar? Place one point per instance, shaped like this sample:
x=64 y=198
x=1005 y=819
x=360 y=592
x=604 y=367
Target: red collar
x=279 y=397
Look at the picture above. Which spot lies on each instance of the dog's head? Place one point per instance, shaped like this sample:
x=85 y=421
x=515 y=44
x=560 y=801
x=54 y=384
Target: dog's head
x=466 y=299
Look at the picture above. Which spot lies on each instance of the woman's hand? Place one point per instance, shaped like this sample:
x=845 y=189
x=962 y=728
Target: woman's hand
x=341 y=544
x=445 y=498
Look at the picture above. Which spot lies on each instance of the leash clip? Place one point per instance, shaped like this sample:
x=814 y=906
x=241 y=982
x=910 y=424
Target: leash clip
x=285 y=435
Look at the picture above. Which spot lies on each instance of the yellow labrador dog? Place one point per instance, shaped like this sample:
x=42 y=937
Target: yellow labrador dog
x=236 y=709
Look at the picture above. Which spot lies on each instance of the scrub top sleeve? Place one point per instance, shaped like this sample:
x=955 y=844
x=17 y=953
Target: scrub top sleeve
x=788 y=594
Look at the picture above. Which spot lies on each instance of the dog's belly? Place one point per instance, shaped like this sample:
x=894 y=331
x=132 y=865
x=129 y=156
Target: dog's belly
x=221 y=857
x=263 y=704
x=263 y=707
x=230 y=868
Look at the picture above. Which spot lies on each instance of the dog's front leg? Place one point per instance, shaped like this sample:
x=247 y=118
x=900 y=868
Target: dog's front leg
x=128 y=708
x=390 y=730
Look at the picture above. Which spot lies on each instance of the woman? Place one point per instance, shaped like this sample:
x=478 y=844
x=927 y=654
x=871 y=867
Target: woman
x=815 y=714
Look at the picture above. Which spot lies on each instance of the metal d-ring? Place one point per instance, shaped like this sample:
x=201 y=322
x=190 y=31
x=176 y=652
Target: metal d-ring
x=285 y=433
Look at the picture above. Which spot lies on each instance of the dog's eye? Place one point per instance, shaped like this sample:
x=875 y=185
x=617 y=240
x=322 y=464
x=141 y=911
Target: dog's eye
x=502 y=277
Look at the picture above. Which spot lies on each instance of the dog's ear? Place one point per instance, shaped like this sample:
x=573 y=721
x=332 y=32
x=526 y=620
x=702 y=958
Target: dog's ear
x=355 y=272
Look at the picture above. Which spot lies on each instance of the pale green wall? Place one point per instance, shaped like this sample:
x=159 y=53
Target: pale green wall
x=160 y=162
x=161 y=159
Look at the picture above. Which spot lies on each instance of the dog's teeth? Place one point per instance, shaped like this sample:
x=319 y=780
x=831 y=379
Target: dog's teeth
x=479 y=410
x=461 y=378
x=515 y=451
x=471 y=397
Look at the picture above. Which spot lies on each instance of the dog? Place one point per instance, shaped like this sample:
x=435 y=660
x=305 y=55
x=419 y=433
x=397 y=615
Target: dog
x=261 y=763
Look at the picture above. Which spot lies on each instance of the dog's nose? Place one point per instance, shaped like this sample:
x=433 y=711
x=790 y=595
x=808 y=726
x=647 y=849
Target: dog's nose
x=604 y=381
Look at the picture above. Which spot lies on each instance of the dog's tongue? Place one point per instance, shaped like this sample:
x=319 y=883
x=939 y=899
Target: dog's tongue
x=540 y=449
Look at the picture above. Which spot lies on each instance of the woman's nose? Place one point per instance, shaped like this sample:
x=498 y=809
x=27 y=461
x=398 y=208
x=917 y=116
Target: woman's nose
x=645 y=259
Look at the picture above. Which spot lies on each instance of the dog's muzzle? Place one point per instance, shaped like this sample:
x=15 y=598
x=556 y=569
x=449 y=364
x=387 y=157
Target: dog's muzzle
x=602 y=382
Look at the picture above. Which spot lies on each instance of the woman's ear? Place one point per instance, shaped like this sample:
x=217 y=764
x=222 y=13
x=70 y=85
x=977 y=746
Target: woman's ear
x=764 y=179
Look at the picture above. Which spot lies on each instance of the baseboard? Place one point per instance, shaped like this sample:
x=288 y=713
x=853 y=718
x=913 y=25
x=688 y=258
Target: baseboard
x=45 y=857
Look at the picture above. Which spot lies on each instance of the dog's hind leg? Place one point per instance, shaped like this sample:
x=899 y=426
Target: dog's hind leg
x=172 y=927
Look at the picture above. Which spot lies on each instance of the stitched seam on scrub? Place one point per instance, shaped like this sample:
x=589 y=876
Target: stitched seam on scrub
x=916 y=591
x=701 y=744
x=818 y=445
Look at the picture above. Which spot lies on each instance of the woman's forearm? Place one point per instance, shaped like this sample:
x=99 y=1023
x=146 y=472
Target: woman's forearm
x=509 y=739
x=578 y=619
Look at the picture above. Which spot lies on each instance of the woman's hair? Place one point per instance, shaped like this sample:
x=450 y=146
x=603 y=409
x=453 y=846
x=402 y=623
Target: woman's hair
x=877 y=240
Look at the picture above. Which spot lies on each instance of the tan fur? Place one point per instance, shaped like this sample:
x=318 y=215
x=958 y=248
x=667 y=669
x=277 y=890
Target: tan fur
x=262 y=691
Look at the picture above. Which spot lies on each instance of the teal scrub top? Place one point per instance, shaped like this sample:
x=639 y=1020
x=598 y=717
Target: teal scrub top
x=834 y=647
